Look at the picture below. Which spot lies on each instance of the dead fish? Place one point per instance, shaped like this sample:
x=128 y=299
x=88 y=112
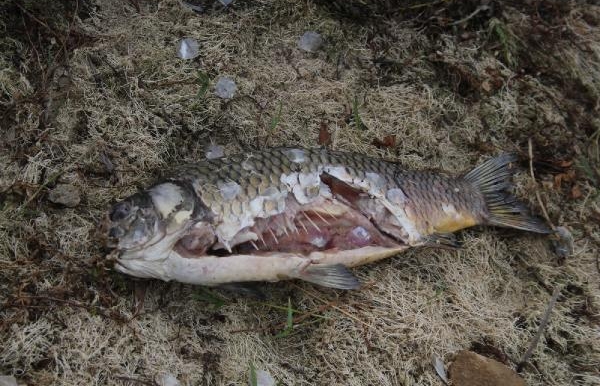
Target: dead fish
x=309 y=214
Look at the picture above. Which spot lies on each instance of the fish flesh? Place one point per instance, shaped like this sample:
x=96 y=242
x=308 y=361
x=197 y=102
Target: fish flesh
x=294 y=213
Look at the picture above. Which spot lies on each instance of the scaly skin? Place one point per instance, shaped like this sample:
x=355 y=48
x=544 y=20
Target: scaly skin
x=242 y=187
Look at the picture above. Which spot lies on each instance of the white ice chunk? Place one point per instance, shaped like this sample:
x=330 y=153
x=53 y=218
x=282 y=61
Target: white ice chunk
x=166 y=379
x=225 y=88
x=188 y=48
x=311 y=41
x=214 y=151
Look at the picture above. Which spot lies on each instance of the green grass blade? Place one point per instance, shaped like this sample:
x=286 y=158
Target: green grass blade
x=253 y=377
x=276 y=119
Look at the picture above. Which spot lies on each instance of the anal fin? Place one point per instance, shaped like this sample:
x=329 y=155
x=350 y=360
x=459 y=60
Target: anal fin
x=441 y=240
x=332 y=276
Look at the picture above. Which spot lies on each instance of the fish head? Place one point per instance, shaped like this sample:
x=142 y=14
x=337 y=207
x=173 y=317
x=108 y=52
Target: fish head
x=132 y=223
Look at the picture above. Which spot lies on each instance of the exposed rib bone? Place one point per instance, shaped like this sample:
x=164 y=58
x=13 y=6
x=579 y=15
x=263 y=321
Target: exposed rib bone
x=321 y=217
x=311 y=221
x=329 y=212
x=262 y=239
x=254 y=245
x=274 y=237
x=303 y=226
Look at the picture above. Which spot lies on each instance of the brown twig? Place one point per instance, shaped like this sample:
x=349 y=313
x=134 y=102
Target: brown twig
x=537 y=193
x=541 y=328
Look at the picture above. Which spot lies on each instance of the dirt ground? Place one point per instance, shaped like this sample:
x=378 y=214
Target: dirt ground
x=93 y=95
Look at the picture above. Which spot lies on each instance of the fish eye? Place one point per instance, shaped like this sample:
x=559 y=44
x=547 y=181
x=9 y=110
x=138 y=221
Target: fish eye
x=120 y=211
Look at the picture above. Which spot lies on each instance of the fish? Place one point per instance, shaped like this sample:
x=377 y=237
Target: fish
x=301 y=213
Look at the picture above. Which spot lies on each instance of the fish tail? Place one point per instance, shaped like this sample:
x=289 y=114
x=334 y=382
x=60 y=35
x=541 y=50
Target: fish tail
x=493 y=180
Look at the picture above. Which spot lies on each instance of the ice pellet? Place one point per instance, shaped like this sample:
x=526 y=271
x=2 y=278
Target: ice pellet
x=187 y=48
x=311 y=41
x=225 y=2
x=225 y=88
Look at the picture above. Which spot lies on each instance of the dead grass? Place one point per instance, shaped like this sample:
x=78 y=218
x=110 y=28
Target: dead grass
x=68 y=319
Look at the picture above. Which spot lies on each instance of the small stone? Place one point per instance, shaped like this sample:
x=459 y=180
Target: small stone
x=225 y=88
x=65 y=194
x=311 y=41
x=188 y=48
x=471 y=369
x=8 y=380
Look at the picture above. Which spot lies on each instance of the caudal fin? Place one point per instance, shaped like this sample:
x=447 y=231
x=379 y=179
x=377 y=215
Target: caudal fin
x=493 y=179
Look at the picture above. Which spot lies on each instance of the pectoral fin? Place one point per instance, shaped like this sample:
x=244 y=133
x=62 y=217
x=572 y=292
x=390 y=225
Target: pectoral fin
x=332 y=276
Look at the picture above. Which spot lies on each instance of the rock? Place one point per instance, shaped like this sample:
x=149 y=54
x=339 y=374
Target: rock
x=311 y=41
x=188 y=48
x=65 y=194
x=225 y=88
x=471 y=369
x=7 y=380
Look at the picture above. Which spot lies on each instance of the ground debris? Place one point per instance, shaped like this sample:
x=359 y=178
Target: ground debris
x=66 y=195
x=471 y=369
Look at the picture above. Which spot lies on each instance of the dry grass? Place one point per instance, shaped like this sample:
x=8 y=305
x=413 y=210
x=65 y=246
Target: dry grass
x=67 y=318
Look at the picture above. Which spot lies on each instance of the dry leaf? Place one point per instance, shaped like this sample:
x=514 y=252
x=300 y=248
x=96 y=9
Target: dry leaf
x=388 y=141
x=324 y=134
x=576 y=192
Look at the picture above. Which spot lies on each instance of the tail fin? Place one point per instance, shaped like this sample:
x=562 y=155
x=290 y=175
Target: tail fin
x=492 y=178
